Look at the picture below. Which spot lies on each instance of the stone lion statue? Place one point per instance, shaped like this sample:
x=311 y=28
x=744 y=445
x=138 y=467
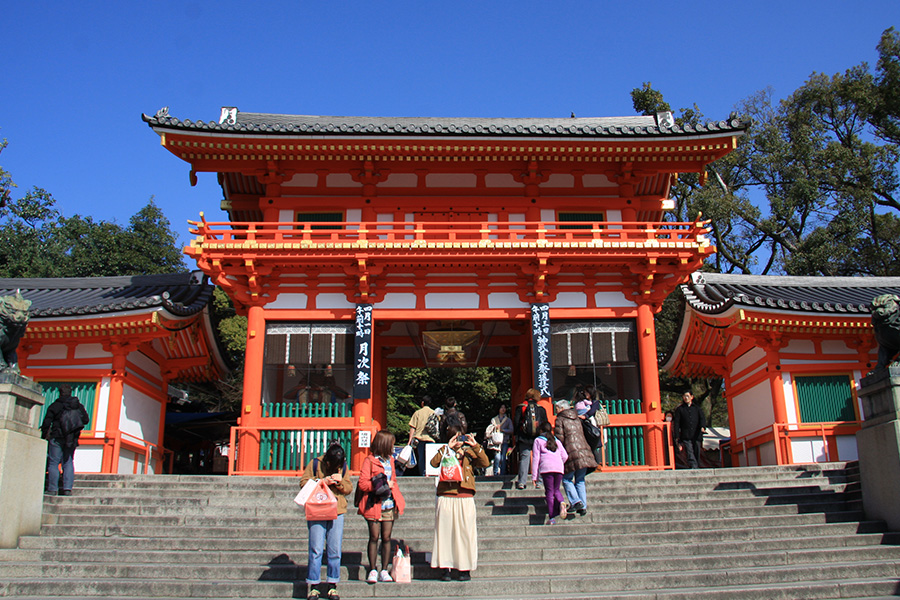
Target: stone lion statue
x=13 y=321
x=886 y=322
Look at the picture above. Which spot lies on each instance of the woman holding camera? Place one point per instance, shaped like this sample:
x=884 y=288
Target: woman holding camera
x=455 y=530
x=382 y=502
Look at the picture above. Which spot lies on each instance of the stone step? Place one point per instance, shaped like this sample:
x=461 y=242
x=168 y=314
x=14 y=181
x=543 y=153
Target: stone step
x=805 y=577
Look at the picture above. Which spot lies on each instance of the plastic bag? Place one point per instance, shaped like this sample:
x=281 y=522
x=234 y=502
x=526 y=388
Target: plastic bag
x=402 y=571
x=450 y=467
x=305 y=491
x=321 y=504
x=407 y=458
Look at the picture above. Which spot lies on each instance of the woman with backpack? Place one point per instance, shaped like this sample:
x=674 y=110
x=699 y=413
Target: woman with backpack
x=382 y=502
x=527 y=422
x=580 y=461
x=548 y=457
x=326 y=537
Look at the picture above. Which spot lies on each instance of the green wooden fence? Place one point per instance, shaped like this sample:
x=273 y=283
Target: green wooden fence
x=624 y=445
x=289 y=450
x=306 y=409
x=85 y=391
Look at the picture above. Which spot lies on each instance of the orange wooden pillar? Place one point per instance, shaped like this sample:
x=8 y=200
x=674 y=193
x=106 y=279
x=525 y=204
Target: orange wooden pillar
x=776 y=386
x=248 y=439
x=655 y=444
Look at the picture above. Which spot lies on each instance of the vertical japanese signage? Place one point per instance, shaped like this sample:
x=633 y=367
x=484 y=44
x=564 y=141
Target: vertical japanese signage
x=540 y=345
x=362 y=382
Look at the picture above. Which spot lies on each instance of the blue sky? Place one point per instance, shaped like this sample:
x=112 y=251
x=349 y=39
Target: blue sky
x=77 y=76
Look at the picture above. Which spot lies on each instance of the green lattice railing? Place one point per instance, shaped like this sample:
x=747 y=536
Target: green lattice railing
x=290 y=450
x=306 y=409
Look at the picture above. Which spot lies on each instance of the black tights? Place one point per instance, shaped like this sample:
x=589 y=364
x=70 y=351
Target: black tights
x=384 y=527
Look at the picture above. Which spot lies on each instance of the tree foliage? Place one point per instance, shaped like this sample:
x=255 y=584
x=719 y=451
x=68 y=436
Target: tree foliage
x=36 y=240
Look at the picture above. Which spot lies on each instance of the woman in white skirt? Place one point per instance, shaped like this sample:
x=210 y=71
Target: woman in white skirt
x=455 y=530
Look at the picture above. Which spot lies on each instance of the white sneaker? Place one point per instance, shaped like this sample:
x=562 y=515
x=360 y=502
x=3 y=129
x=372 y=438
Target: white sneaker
x=385 y=576
x=373 y=576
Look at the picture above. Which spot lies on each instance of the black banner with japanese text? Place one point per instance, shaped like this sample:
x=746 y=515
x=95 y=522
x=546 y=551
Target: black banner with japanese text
x=362 y=380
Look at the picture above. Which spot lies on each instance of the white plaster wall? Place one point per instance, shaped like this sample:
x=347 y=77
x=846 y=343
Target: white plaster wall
x=51 y=352
x=455 y=180
x=333 y=301
x=341 y=180
x=140 y=415
x=285 y=216
x=747 y=359
x=92 y=351
x=297 y=301
x=400 y=180
x=435 y=300
x=303 y=180
x=126 y=463
x=354 y=215
x=560 y=180
x=548 y=214
x=505 y=300
x=790 y=401
x=612 y=300
x=570 y=300
x=144 y=362
x=406 y=301
x=516 y=217
x=767 y=454
x=835 y=347
x=752 y=410
x=846 y=447
x=596 y=181
x=102 y=407
x=808 y=450
x=497 y=180
x=614 y=215
x=89 y=459
x=800 y=347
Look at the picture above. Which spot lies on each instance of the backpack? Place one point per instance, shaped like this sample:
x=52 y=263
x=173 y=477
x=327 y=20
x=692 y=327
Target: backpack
x=70 y=421
x=529 y=425
x=433 y=425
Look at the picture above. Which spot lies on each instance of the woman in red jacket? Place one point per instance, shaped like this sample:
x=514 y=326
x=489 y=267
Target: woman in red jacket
x=382 y=502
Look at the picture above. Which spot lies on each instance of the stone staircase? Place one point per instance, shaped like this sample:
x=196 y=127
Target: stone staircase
x=742 y=533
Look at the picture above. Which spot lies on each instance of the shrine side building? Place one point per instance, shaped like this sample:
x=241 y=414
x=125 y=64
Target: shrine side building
x=357 y=244
x=791 y=351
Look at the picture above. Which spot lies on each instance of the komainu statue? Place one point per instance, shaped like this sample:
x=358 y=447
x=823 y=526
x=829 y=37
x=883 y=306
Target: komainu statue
x=13 y=321
x=886 y=321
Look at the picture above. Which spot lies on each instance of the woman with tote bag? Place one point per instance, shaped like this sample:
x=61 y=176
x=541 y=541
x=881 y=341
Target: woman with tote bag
x=326 y=536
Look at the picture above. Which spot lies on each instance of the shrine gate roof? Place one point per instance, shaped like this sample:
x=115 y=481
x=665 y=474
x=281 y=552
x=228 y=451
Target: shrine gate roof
x=182 y=294
x=715 y=293
x=234 y=121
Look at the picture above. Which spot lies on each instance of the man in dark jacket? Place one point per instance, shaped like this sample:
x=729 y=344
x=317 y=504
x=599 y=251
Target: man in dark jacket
x=62 y=426
x=527 y=420
x=688 y=427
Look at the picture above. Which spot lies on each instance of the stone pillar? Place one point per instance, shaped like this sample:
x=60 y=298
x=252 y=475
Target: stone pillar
x=878 y=443
x=23 y=459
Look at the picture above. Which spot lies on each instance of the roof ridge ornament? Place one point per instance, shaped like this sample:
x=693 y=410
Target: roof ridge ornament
x=665 y=119
x=162 y=113
x=228 y=115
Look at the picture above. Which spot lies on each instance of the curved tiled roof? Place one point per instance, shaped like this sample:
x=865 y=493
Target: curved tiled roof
x=714 y=293
x=237 y=122
x=182 y=294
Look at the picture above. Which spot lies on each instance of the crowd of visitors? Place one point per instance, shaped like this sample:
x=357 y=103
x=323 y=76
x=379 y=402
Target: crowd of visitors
x=551 y=455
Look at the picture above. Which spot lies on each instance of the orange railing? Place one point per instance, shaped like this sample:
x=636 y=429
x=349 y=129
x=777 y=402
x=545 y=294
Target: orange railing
x=478 y=234
x=113 y=444
x=625 y=445
x=781 y=434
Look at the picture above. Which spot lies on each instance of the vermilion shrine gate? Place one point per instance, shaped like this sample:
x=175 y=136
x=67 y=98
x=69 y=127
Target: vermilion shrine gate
x=354 y=245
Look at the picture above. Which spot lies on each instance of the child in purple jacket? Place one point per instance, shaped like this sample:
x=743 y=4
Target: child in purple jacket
x=548 y=457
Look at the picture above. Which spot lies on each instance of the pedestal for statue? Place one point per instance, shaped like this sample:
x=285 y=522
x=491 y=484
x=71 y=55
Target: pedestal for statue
x=878 y=442
x=23 y=459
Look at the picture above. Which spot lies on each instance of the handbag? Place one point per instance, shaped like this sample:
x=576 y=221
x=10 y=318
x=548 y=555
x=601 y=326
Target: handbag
x=380 y=486
x=305 y=491
x=321 y=504
x=402 y=567
x=592 y=434
x=601 y=417
x=450 y=467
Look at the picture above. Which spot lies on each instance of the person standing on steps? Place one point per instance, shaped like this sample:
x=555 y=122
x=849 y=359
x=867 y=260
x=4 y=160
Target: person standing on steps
x=548 y=458
x=62 y=427
x=455 y=529
x=688 y=427
x=326 y=537
x=382 y=502
x=497 y=439
x=424 y=428
x=580 y=461
x=527 y=422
